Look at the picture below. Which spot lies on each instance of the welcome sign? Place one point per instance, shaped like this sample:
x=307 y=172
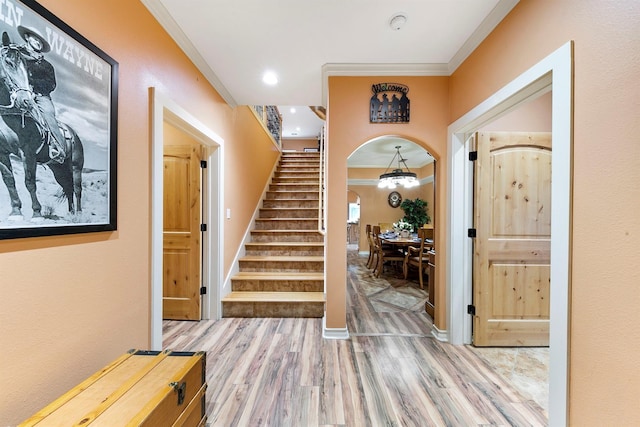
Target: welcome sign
x=389 y=103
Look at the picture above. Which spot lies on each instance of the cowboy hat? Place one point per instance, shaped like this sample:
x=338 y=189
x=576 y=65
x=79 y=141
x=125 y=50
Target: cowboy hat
x=28 y=31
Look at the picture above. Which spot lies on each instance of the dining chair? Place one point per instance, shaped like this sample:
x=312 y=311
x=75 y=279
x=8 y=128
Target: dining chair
x=417 y=256
x=385 y=255
x=385 y=227
x=367 y=232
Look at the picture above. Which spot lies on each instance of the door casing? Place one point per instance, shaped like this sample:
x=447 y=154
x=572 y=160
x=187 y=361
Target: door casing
x=165 y=109
x=555 y=72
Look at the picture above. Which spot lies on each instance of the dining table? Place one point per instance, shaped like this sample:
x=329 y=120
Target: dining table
x=401 y=242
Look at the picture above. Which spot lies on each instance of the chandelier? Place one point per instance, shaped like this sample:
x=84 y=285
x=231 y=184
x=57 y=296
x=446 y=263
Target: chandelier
x=398 y=176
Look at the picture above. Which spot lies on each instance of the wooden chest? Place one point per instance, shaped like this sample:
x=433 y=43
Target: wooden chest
x=140 y=388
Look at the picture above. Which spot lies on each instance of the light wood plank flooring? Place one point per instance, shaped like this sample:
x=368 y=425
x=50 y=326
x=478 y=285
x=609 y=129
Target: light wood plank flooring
x=391 y=372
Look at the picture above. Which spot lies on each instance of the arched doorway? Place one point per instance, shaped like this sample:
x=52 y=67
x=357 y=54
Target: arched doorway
x=389 y=295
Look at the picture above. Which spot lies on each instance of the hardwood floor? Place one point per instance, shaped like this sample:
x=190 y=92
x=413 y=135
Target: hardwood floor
x=391 y=372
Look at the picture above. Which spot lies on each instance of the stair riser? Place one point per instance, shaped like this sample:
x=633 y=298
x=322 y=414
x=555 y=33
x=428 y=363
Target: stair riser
x=287 y=191
x=293 y=180
x=298 y=169
x=289 y=204
x=282 y=266
x=285 y=251
x=286 y=236
x=287 y=224
x=297 y=174
x=288 y=213
x=283 y=182
x=277 y=285
x=272 y=309
x=300 y=159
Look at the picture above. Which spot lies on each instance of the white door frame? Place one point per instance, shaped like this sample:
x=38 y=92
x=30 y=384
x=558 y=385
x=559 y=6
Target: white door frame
x=165 y=110
x=555 y=72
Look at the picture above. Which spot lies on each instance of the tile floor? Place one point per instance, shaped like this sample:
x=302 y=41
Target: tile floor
x=526 y=368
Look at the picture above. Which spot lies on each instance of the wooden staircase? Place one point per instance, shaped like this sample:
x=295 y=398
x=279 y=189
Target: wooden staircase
x=282 y=272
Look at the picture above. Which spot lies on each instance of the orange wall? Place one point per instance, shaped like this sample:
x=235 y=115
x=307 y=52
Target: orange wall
x=299 y=144
x=348 y=128
x=605 y=290
x=71 y=304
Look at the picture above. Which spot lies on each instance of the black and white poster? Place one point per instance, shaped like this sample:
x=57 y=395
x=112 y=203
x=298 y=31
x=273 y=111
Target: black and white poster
x=58 y=120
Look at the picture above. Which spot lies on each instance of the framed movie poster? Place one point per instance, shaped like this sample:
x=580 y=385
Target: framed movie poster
x=58 y=127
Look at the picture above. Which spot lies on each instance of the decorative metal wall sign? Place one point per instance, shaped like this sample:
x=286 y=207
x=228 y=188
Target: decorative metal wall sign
x=389 y=103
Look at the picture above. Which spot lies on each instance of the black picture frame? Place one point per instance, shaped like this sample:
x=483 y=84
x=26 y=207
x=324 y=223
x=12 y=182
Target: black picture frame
x=85 y=101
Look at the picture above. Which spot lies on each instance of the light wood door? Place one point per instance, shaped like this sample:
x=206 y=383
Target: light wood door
x=181 y=233
x=512 y=206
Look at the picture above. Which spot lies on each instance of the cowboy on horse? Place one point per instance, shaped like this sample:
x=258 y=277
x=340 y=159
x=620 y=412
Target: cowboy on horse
x=42 y=79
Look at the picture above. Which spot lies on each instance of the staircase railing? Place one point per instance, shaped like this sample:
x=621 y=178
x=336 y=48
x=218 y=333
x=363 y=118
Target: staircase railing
x=270 y=118
x=323 y=182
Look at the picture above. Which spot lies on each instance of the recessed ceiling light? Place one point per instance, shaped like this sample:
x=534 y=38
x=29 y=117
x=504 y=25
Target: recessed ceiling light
x=293 y=110
x=270 y=78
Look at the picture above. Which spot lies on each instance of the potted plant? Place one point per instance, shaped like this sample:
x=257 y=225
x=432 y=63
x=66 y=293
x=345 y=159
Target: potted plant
x=415 y=212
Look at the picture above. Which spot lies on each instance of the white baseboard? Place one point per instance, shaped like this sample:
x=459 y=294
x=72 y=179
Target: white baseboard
x=439 y=335
x=333 y=333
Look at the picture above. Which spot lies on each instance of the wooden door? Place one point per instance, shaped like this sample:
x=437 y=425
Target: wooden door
x=181 y=232
x=511 y=275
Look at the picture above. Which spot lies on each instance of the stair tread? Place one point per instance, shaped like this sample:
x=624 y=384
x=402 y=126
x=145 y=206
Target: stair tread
x=281 y=258
x=286 y=219
x=286 y=243
x=290 y=209
x=257 y=296
x=266 y=275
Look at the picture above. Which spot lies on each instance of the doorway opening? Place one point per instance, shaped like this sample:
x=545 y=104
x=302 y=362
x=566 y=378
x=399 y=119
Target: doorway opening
x=376 y=290
x=165 y=110
x=554 y=73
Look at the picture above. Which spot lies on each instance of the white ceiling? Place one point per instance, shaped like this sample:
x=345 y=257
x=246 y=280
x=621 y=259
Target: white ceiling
x=233 y=42
x=381 y=151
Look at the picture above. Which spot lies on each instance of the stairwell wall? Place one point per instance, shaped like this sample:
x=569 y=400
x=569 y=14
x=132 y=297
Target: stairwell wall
x=71 y=304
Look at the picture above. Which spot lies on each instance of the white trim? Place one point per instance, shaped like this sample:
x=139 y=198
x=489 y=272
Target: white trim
x=164 y=109
x=439 y=334
x=555 y=72
x=378 y=70
x=485 y=28
x=165 y=19
x=333 y=333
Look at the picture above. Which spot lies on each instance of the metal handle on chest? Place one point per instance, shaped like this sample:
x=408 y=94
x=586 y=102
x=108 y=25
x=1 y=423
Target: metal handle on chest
x=181 y=389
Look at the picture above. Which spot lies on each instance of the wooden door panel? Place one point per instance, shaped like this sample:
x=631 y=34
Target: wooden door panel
x=520 y=291
x=181 y=235
x=519 y=203
x=511 y=268
x=180 y=298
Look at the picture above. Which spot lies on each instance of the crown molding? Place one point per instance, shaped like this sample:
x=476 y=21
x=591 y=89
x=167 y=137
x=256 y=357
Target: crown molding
x=485 y=28
x=161 y=14
x=366 y=70
x=498 y=13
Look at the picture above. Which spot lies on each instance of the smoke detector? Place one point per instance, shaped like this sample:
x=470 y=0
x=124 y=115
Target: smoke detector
x=397 y=21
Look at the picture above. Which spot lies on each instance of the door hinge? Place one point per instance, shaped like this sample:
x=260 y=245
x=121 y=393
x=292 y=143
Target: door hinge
x=471 y=232
x=473 y=156
x=203 y=227
x=203 y=164
x=471 y=309
x=203 y=290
